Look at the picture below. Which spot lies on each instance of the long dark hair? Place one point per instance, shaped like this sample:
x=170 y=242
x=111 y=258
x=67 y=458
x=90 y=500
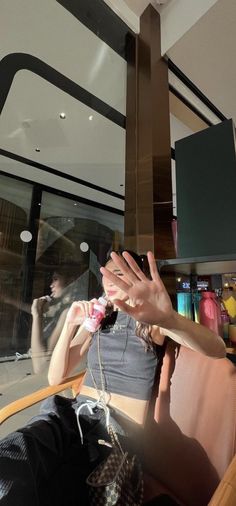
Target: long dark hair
x=143 y=330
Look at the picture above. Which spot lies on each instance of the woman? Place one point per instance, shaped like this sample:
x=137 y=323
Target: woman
x=57 y=456
x=49 y=312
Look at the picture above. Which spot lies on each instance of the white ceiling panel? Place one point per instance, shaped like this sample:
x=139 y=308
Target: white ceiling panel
x=49 y=32
x=206 y=54
x=93 y=150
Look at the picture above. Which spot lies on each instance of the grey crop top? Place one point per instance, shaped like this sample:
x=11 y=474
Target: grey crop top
x=128 y=369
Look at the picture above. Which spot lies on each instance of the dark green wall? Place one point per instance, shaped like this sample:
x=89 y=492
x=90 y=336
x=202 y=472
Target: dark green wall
x=206 y=192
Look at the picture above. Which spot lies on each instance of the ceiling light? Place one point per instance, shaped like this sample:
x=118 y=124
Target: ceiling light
x=84 y=247
x=90 y=117
x=62 y=115
x=26 y=236
x=38 y=150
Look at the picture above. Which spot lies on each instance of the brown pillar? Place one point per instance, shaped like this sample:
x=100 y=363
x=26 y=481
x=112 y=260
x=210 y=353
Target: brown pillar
x=148 y=196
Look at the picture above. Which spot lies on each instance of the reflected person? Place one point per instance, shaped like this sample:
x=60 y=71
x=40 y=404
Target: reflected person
x=49 y=311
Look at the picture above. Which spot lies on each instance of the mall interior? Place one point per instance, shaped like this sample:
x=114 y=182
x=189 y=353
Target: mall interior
x=117 y=132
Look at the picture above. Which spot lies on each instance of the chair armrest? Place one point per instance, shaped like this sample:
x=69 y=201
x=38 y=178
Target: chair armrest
x=29 y=400
x=225 y=494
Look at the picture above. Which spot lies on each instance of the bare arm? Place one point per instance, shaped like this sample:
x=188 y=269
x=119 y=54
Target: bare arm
x=72 y=343
x=37 y=348
x=157 y=336
x=52 y=341
x=40 y=351
x=194 y=336
x=67 y=353
x=151 y=304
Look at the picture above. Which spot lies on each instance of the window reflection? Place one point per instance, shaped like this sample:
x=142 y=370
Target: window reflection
x=73 y=241
x=14 y=215
x=49 y=311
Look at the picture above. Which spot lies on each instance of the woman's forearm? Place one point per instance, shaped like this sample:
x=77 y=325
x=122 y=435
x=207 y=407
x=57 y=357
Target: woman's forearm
x=60 y=356
x=71 y=344
x=195 y=336
x=38 y=350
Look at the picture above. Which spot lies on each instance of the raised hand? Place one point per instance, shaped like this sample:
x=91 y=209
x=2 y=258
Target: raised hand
x=39 y=306
x=80 y=310
x=149 y=301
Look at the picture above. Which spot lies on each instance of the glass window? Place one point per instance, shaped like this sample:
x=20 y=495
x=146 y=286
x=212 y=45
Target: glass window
x=15 y=363
x=15 y=203
x=74 y=240
x=65 y=114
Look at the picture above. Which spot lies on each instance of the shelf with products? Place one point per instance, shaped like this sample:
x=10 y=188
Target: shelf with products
x=199 y=266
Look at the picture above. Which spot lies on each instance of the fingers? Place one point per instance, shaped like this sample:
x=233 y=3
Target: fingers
x=116 y=280
x=128 y=267
x=123 y=306
x=134 y=266
x=40 y=302
x=132 y=311
x=153 y=269
x=80 y=310
x=87 y=307
x=121 y=264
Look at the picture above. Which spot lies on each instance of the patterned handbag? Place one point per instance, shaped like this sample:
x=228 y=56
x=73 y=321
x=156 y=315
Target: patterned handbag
x=118 y=480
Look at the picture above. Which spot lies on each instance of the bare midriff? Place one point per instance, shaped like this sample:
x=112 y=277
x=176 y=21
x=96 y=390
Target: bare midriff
x=135 y=409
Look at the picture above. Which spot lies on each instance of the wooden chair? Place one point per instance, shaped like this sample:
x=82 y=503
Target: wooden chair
x=191 y=439
x=14 y=407
x=225 y=494
x=191 y=434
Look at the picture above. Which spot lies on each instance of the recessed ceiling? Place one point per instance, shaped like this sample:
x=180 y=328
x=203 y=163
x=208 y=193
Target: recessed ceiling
x=48 y=31
x=85 y=144
x=206 y=54
x=90 y=150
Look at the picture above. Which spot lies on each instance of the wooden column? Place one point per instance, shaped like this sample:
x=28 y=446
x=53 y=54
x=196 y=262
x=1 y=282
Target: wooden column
x=148 y=193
